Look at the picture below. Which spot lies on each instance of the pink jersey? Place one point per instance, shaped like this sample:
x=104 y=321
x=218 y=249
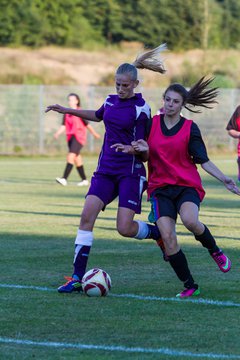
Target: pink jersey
x=75 y=126
x=169 y=161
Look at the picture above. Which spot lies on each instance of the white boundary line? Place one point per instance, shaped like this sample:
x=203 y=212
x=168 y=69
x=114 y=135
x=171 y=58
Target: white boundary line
x=120 y=348
x=198 y=301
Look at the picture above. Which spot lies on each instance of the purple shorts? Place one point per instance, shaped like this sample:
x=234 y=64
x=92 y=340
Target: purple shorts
x=129 y=190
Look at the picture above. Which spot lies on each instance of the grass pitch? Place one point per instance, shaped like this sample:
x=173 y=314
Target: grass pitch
x=141 y=319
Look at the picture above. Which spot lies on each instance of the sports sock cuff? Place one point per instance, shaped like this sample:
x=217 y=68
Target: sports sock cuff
x=143 y=230
x=84 y=238
x=205 y=234
x=207 y=240
x=175 y=256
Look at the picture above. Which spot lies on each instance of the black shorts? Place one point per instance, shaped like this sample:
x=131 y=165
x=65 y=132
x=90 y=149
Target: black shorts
x=74 y=146
x=167 y=201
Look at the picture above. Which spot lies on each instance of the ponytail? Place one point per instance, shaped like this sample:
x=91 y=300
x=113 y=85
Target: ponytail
x=198 y=95
x=151 y=60
x=148 y=60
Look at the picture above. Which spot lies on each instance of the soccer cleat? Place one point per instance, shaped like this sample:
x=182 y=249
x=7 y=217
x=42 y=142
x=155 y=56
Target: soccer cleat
x=83 y=183
x=222 y=261
x=61 y=181
x=162 y=247
x=188 y=292
x=70 y=286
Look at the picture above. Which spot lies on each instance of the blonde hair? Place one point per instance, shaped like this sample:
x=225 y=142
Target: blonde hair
x=151 y=60
x=148 y=60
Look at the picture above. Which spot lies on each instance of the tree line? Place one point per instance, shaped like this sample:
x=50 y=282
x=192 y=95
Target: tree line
x=183 y=24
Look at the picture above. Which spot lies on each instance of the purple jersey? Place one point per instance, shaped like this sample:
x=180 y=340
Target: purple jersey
x=125 y=121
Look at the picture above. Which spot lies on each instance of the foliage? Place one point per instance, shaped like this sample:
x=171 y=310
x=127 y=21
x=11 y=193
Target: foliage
x=183 y=24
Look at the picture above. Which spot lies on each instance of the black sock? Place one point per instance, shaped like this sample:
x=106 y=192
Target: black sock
x=81 y=172
x=67 y=170
x=207 y=241
x=180 y=266
x=80 y=260
x=154 y=233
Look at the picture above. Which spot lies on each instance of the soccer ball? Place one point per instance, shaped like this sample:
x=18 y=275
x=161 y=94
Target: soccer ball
x=96 y=282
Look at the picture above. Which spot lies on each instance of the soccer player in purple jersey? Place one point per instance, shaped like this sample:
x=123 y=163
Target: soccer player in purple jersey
x=119 y=173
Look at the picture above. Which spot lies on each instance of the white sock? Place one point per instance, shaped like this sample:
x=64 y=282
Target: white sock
x=84 y=238
x=143 y=230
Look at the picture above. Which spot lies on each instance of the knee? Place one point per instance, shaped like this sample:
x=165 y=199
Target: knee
x=170 y=241
x=191 y=225
x=124 y=230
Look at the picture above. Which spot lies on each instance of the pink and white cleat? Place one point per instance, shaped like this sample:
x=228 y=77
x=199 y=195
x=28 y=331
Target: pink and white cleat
x=188 y=292
x=222 y=261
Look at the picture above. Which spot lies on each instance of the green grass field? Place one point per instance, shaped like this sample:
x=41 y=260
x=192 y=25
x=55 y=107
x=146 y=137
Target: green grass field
x=39 y=220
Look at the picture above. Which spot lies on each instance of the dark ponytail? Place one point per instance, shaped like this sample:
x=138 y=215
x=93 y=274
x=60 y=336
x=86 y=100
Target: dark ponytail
x=198 y=95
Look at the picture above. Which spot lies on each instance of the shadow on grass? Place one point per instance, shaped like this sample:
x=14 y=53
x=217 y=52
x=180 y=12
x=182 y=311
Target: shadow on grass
x=223 y=216
x=37 y=181
x=223 y=204
x=179 y=233
x=34 y=240
x=112 y=237
x=54 y=214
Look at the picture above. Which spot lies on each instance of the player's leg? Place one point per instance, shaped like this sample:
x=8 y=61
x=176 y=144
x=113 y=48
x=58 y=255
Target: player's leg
x=68 y=168
x=189 y=212
x=81 y=171
x=164 y=213
x=140 y=230
x=96 y=200
x=73 y=151
x=176 y=257
x=130 y=197
x=125 y=224
x=83 y=243
x=84 y=239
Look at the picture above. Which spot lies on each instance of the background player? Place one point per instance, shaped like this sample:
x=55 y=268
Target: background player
x=118 y=173
x=233 y=128
x=76 y=133
x=174 y=185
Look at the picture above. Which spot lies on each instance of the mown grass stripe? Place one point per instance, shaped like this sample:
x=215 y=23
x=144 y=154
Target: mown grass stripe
x=199 y=301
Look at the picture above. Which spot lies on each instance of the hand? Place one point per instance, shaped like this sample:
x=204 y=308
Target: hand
x=127 y=149
x=56 y=135
x=57 y=108
x=231 y=185
x=140 y=145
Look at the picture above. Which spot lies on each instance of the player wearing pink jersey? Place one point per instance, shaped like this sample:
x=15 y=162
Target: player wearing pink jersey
x=233 y=128
x=76 y=135
x=175 y=145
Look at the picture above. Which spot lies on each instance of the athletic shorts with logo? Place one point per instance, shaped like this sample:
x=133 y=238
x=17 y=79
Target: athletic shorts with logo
x=128 y=189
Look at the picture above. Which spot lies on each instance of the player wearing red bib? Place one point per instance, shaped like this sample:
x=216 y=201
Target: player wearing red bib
x=76 y=135
x=233 y=128
x=175 y=145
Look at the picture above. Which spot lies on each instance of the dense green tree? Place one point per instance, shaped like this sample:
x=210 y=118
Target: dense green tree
x=105 y=16
x=183 y=24
x=230 y=28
